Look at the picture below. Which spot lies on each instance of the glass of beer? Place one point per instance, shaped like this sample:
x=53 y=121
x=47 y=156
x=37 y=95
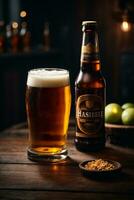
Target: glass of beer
x=48 y=102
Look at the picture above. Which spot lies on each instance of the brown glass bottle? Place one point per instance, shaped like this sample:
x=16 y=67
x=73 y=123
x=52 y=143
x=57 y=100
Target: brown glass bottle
x=90 y=90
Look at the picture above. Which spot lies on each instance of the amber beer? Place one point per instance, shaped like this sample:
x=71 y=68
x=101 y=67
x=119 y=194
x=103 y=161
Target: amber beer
x=90 y=93
x=48 y=101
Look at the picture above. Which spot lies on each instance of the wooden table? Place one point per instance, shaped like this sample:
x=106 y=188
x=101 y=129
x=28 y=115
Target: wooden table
x=24 y=179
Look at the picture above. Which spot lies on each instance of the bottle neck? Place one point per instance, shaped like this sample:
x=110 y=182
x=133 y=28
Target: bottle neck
x=90 y=60
x=93 y=66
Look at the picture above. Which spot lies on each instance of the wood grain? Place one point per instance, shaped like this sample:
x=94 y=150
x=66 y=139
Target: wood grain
x=19 y=175
x=43 y=195
x=60 y=178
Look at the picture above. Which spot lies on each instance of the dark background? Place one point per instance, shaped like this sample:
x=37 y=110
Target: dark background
x=65 y=18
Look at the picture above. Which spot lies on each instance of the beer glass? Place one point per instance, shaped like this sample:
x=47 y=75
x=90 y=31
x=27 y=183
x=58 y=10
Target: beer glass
x=48 y=102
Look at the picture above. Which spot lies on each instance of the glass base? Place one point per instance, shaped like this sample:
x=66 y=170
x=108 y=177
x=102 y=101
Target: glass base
x=46 y=157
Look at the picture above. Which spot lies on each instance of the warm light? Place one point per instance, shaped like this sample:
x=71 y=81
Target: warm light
x=23 y=13
x=125 y=26
x=55 y=168
x=14 y=25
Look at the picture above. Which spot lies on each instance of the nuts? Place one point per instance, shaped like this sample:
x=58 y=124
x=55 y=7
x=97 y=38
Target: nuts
x=100 y=165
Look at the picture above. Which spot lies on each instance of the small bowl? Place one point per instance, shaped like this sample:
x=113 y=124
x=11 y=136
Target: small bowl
x=102 y=173
x=122 y=135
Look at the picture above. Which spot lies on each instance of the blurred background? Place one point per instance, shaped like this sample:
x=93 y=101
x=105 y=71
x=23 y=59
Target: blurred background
x=48 y=33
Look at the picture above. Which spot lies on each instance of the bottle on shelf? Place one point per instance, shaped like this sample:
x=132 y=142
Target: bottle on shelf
x=2 y=37
x=25 y=36
x=8 y=37
x=15 y=39
x=46 y=37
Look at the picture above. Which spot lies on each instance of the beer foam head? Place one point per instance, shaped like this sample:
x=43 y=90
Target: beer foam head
x=48 y=78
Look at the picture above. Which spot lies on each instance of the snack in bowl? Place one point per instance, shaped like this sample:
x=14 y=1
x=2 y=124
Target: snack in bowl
x=100 y=165
x=100 y=168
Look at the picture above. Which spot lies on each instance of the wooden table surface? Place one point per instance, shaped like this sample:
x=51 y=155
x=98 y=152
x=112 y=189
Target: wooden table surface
x=24 y=179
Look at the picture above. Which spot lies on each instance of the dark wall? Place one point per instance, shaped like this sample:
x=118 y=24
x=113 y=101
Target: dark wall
x=65 y=18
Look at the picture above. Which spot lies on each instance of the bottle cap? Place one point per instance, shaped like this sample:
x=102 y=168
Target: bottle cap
x=88 y=23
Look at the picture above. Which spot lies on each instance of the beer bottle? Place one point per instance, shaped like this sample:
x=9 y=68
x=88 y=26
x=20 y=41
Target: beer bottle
x=15 y=38
x=90 y=93
x=25 y=36
x=46 y=37
x=2 y=37
x=8 y=37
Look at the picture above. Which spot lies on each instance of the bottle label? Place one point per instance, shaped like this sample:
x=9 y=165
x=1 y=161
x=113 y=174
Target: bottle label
x=89 y=115
x=90 y=48
x=88 y=54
